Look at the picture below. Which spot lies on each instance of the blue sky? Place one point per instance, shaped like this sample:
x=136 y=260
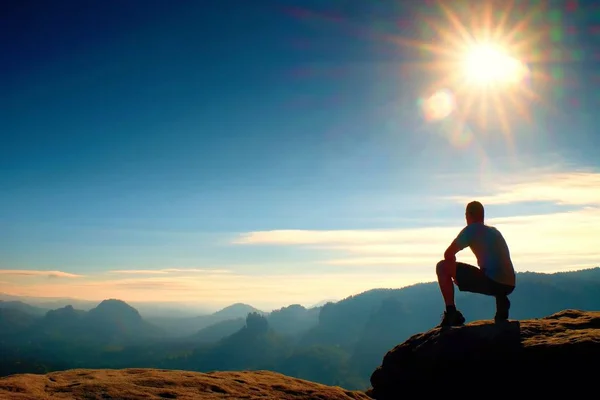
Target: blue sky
x=178 y=142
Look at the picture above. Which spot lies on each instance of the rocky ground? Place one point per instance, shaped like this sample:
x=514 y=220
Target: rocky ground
x=129 y=384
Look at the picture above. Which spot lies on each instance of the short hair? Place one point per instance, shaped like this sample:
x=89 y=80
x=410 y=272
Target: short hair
x=476 y=211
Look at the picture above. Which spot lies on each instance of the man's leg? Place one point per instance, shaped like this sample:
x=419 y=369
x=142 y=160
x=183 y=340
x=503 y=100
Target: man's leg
x=502 y=307
x=446 y=272
x=502 y=301
x=472 y=279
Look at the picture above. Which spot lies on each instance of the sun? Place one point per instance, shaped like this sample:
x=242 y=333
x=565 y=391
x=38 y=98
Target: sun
x=482 y=55
x=490 y=65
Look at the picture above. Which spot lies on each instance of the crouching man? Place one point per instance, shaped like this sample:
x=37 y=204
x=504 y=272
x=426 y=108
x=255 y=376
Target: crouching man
x=495 y=275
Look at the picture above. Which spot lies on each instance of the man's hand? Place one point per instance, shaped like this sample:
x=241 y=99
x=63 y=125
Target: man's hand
x=450 y=253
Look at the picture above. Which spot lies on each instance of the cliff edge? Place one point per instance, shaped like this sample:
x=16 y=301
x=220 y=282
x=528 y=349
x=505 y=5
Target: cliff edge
x=538 y=356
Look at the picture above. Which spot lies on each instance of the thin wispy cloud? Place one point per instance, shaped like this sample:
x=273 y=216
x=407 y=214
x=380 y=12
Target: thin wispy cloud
x=36 y=273
x=563 y=188
x=336 y=237
x=199 y=270
x=165 y=271
x=138 y=271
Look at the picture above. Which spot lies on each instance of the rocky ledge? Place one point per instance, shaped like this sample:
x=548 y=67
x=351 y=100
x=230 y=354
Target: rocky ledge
x=130 y=384
x=555 y=355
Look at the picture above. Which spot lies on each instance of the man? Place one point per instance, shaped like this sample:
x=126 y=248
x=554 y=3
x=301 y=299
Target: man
x=495 y=277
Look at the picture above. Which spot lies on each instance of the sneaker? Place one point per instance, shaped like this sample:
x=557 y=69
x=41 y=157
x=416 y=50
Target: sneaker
x=454 y=318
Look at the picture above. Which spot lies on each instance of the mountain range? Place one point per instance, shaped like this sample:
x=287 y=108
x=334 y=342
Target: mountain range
x=337 y=343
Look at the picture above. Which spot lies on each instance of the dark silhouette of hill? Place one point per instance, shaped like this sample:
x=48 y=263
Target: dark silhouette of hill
x=218 y=331
x=375 y=340
x=14 y=321
x=531 y=356
x=254 y=346
x=111 y=322
x=21 y=306
x=65 y=322
x=341 y=323
x=235 y=310
x=116 y=319
x=50 y=303
x=294 y=320
x=186 y=326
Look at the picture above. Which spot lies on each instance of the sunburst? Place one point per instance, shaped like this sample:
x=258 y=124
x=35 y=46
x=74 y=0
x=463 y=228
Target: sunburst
x=484 y=61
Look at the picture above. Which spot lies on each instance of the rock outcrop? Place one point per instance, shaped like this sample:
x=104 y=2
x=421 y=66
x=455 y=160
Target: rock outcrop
x=128 y=384
x=558 y=353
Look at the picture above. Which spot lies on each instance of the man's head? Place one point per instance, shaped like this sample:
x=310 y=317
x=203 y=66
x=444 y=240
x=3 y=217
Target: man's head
x=474 y=212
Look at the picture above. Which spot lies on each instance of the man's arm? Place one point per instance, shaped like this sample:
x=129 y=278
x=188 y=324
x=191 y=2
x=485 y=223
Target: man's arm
x=462 y=241
x=450 y=253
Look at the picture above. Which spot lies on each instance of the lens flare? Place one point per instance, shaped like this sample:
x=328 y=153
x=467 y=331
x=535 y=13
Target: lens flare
x=438 y=106
x=481 y=54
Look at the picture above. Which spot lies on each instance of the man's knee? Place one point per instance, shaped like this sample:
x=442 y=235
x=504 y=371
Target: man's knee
x=440 y=268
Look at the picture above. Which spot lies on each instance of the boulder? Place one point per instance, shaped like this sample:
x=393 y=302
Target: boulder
x=535 y=356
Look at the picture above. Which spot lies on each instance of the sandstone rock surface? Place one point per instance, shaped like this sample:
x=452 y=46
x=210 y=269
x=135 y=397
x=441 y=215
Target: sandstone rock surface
x=129 y=384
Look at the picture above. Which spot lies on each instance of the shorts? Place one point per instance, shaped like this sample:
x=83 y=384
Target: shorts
x=472 y=279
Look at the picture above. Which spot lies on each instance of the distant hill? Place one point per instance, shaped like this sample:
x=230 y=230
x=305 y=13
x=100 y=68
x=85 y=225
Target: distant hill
x=235 y=311
x=14 y=321
x=116 y=319
x=323 y=302
x=215 y=332
x=50 y=303
x=21 y=306
x=293 y=320
x=112 y=321
x=186 y=326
